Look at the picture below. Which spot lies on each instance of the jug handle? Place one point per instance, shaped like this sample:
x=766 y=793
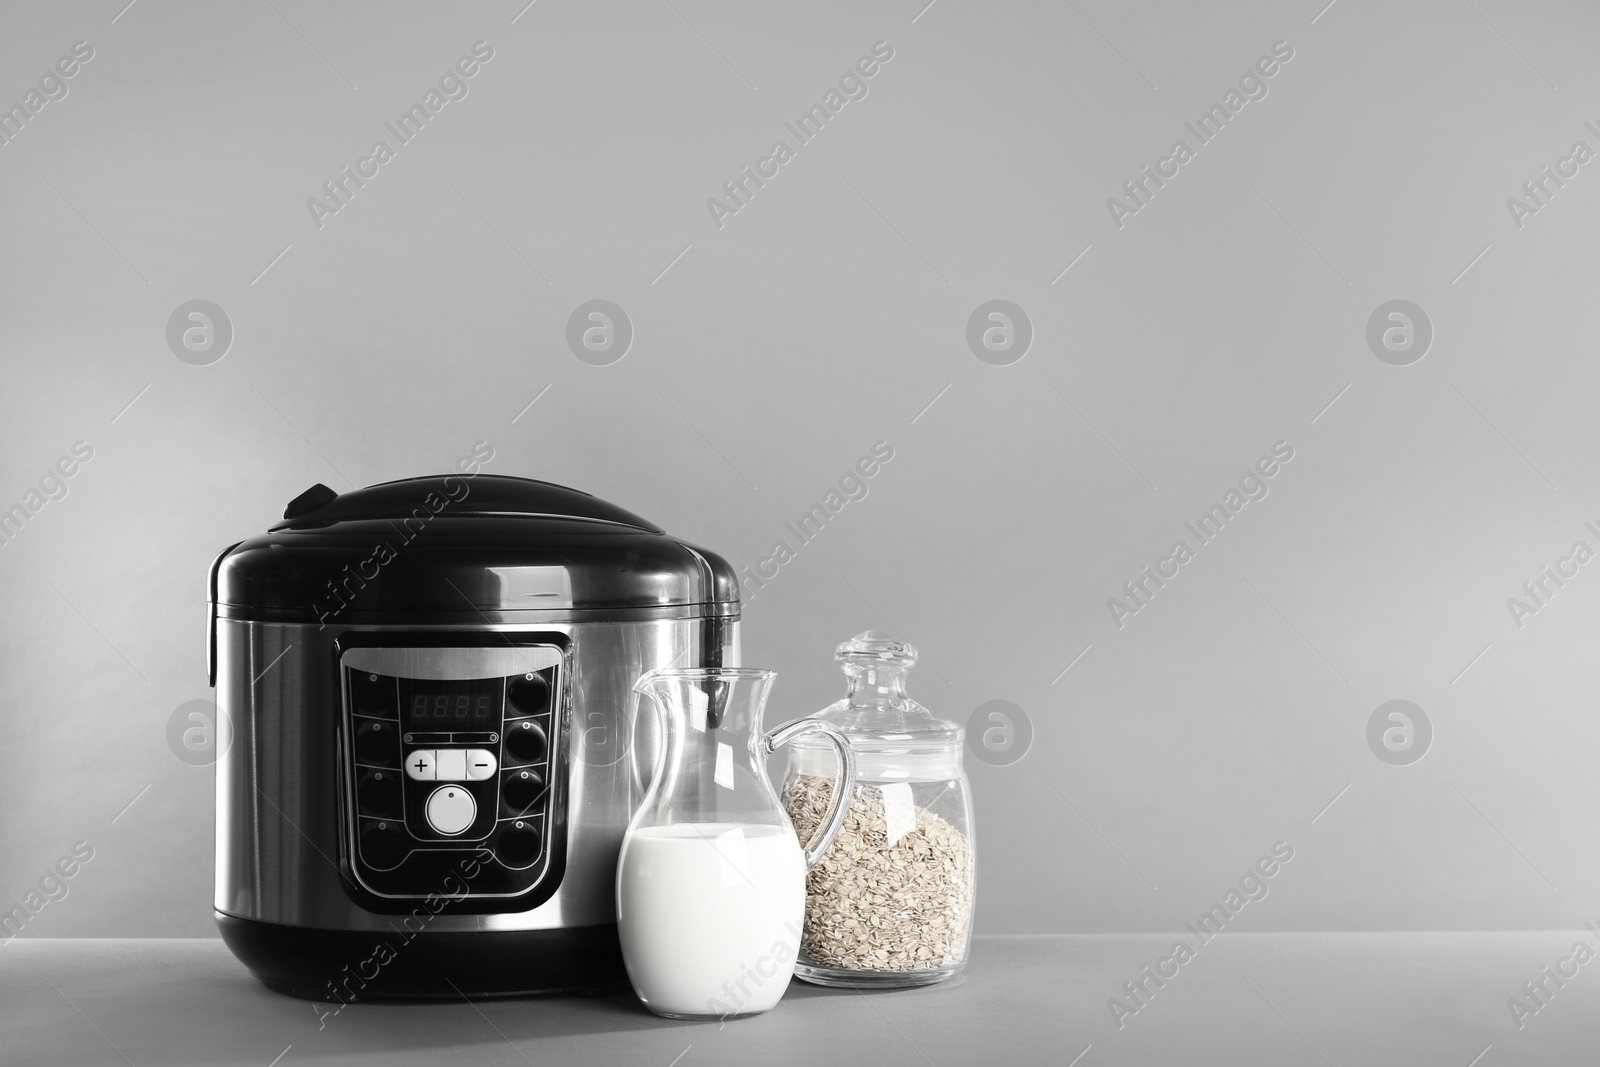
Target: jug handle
x=844 y=787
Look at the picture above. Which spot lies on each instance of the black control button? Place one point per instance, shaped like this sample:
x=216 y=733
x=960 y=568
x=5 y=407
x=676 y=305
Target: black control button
x=384 y=844
x=518 y=844
x=528 y=695
x=377 y=742
x=525 y=741
x=378 y=793
x=374 y=694
x=521 y=790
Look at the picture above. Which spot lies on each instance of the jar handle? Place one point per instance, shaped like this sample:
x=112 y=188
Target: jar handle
x=844 y=787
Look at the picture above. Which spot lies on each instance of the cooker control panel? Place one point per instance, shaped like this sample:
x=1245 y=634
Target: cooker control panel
x=449 y=765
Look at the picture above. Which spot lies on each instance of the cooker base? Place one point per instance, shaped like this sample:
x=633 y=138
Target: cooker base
x=345 y=965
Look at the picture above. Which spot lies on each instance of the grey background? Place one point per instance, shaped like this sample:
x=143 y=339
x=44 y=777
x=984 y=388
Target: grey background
x=824 y=317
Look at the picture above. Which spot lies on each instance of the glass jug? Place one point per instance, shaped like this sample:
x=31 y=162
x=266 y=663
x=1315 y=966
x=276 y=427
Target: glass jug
x=711 y=881
x=890 y=903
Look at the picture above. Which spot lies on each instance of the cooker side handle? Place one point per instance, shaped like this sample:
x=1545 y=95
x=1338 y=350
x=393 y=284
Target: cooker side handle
x=211 y=604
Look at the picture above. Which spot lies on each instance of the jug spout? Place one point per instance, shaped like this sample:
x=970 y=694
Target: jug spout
x=702 y=699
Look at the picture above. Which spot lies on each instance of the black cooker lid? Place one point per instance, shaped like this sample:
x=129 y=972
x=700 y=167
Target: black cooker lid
x=466 y=548
x=480 y=494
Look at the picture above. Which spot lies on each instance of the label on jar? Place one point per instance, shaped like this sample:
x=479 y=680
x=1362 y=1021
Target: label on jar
x=899 y=812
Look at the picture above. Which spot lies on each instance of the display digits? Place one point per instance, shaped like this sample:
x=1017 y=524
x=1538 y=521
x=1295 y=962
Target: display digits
x=461 y=703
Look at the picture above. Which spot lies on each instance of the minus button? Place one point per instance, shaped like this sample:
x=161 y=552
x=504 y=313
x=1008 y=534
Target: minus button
x=480 y=764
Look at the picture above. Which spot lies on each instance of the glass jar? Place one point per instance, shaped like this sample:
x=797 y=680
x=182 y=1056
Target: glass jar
x=890 y=901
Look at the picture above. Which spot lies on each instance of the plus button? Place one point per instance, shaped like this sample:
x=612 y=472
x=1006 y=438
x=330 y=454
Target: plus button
x=421 y=765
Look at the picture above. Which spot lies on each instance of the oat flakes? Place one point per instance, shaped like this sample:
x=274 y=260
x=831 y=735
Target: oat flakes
x=873 y=904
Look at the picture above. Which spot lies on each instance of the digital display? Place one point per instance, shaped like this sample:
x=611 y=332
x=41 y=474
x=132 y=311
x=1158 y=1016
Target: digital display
x=450 y=705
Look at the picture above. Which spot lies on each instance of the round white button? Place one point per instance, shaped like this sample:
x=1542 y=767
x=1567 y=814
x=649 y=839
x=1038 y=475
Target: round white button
x=451 y=809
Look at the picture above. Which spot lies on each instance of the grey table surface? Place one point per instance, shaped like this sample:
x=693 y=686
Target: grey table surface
x=1321 y=998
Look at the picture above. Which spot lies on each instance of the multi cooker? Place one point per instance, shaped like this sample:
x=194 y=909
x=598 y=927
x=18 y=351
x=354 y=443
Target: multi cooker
x=427 y=737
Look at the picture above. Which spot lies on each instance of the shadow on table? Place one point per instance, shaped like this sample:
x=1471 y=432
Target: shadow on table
x=799 y=990
x=418 y=1026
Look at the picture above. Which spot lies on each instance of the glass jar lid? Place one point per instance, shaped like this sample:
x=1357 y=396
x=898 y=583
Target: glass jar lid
x=894 y=737
x=875 y=705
